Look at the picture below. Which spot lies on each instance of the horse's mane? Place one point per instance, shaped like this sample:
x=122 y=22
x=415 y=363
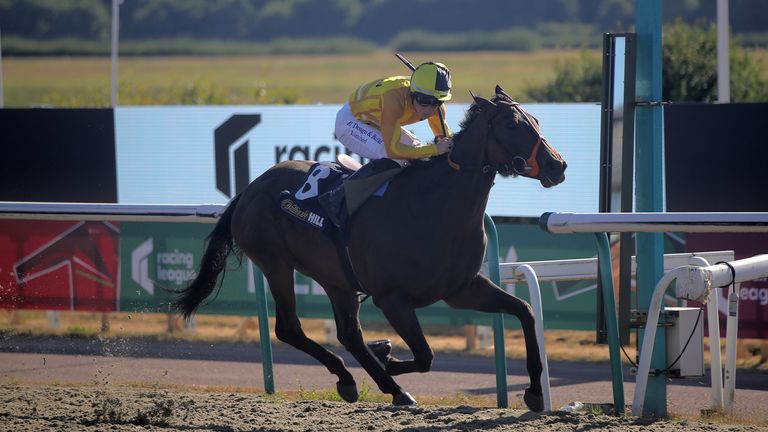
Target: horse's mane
x=472 y=113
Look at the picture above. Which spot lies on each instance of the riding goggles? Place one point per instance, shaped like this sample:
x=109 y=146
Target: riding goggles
x=426 y=100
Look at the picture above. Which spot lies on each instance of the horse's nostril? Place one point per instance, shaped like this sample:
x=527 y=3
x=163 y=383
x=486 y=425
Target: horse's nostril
x=556 y=165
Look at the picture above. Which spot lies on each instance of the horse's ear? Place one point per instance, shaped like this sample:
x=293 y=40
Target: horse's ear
x=482 y=102
x=500 y=91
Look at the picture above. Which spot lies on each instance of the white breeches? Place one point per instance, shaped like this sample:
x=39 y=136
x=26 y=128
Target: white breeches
x=364 y=139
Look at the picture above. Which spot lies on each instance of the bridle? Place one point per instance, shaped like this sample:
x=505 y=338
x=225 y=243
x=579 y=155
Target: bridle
x=517 y=165
x=520 y=166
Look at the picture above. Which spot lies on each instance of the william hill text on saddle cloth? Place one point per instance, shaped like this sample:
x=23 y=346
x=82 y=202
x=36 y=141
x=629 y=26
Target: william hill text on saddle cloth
x=302 y=203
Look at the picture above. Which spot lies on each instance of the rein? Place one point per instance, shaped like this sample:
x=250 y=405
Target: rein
x=520 y=166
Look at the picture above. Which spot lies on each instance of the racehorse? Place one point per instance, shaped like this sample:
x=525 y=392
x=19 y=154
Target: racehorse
x=422 y=241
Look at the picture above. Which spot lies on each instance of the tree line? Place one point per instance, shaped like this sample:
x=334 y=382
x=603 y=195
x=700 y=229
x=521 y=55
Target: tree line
x=299 y=25
x=689 y=73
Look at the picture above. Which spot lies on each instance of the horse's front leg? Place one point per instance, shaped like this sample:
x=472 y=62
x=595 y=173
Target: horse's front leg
x=346 y=310
x=484 y=296
x=402 y=317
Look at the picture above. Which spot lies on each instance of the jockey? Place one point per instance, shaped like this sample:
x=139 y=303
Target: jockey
x=371 y=124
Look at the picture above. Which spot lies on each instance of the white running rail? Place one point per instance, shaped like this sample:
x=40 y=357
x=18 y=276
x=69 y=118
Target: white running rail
x=205 y=213
x=533 y=272
x=697 y=283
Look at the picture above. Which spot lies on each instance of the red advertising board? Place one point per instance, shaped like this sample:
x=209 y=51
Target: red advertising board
x=753 y=295
x=59 y=265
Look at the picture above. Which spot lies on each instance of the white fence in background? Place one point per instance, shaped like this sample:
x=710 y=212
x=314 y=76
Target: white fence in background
x=698 y=283
x=534 y=272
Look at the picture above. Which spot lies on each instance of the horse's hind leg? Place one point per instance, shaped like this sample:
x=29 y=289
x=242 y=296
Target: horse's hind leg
x=484 y=296
x=288 y=329
x=346 y=309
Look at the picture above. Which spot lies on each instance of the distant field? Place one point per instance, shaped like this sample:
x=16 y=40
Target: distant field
x=267 y=79
x=85 y=81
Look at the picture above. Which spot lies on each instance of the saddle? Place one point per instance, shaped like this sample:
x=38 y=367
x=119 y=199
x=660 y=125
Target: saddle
x=370 y=179
x=334 y=191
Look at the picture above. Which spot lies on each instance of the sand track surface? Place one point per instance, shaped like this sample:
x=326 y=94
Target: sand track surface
x=122 y=408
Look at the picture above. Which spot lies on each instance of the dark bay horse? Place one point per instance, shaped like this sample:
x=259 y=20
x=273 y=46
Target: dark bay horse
x=421 y=242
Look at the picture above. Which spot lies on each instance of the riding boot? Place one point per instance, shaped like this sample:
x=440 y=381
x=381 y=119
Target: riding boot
x=334 y=202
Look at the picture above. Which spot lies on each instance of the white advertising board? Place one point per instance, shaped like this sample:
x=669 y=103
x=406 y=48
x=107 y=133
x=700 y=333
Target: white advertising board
x=168 y=155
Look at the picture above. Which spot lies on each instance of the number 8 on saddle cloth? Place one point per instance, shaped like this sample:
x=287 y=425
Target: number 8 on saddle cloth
x=302 y=203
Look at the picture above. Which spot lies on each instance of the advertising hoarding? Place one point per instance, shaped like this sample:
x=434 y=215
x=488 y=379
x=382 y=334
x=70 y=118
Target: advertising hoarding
x=193 y=155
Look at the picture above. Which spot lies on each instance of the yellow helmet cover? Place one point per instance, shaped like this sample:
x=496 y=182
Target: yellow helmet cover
x=432 y=79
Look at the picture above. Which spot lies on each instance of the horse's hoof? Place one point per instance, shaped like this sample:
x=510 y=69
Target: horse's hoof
x=403 y=399
x=347 y=392
x=381 y=349
x=534 y=402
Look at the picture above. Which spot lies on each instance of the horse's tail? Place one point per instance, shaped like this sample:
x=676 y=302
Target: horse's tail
x=219 y=246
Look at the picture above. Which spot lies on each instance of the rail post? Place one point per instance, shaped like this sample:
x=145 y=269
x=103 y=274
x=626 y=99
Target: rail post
x=605 y=272
x=492 y=252
x=265 y=341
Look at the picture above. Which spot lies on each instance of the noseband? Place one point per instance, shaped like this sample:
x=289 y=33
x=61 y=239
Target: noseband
x=518 y=165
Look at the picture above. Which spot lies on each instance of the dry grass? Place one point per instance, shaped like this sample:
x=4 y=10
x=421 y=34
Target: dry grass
x=572 y=345
x=84 y=81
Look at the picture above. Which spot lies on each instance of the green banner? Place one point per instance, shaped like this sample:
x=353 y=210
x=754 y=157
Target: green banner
x=158 y=258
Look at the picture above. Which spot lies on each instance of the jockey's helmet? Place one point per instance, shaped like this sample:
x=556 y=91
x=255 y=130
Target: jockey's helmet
x=433 y=80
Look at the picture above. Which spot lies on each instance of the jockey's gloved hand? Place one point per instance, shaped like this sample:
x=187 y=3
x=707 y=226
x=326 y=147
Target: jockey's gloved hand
x=444 y=144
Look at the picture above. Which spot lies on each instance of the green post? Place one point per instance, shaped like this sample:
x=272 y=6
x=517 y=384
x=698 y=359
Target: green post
x=492 y=252
x=648 y=183
x=605 y=272
x=264 y=335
